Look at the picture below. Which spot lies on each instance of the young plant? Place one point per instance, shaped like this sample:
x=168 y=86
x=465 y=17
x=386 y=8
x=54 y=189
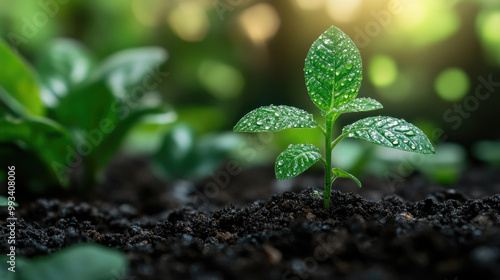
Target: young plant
x=333 y=74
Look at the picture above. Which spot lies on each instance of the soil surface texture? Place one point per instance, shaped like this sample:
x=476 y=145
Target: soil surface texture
x=253 y=227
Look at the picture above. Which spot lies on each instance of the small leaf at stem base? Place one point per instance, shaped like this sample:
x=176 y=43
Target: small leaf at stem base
x=337 y=172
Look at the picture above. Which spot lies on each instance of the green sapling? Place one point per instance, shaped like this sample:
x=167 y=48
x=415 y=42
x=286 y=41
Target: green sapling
x=333 y=74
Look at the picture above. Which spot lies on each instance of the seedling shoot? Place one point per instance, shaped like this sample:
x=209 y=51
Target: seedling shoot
x=333 y=74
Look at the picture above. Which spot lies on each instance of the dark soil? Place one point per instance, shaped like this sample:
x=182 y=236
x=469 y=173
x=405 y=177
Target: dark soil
x=183 y=230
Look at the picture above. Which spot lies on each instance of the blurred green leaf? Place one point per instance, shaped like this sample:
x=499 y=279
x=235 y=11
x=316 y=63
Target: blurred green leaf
x=47 y=139
x=86 y=108
x=295 y=160
x=4 y=202
x=17 y=79
x=62 y=65
x=9 y=105
x=446 y=166
x=130 y=68
x=78 y=262
x=203 y=119
x=487 y=151
x=23 y=157
x=5 y=274
x=211 y=150
x=183 y=155
x=112 y=140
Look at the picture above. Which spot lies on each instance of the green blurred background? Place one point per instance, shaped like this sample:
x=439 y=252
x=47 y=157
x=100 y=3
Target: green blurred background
x=426 y=61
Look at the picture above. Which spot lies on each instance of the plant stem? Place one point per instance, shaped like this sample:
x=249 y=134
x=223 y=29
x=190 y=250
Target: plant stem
x=328 y=162
x=336 y=141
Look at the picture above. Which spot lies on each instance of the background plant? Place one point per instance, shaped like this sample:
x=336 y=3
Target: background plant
x=185 y=155
x=78 y=262
x=333 y=73
x=72 y=113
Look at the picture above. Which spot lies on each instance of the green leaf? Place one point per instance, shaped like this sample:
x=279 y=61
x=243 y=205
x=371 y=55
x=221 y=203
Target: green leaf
x=175 y=152
x=333 y=70
x=183 y=155
x=47 y=139
x=17 y=78
x=337 y=172
x=390 y=132
x=136 y=67
x=111 y=140
x=5 y=274
x=87 y=108
x=63 y=65
x=78 y=262
x=4 y=202
x=10 y=106
x=360 y=105
x=295 y=160
x=275 y=118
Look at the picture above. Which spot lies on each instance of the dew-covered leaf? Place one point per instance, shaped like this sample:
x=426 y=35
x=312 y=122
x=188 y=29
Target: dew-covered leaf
x=390 y=132
x=275 y=118
x=360 y=105
x=333 y=70
x=337 y=172
x=295 y=160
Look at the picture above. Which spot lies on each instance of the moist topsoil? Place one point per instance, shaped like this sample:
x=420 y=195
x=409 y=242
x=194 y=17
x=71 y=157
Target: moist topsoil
x=253 y=227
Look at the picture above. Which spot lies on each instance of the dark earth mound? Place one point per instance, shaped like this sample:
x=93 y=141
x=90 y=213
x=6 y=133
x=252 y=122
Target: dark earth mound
x=446 y=234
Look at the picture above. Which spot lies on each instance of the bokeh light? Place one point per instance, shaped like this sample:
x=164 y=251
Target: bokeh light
x=310 y=4
x=452 y=84
x=487 y=28
x=426 y=22
x=382 y=70
x=189 y=21
x=260 y=23
x=343 y=11
x=221 y=80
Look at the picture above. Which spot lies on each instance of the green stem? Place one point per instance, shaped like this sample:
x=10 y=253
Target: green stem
x=328 y=162
x=336 y=141
x=322 y=129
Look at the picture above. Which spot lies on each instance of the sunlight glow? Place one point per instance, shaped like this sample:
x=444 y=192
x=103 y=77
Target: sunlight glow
x=260 y=22
x=221 y=80
x=309 y=4
x=189 y=21
x=382 y=70
x=452 y=84
x=343 y=11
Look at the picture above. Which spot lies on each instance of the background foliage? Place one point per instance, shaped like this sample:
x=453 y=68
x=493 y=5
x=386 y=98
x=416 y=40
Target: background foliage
x=427 y=61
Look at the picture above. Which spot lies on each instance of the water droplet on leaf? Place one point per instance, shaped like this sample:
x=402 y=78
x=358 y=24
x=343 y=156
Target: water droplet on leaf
x=348 y=64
